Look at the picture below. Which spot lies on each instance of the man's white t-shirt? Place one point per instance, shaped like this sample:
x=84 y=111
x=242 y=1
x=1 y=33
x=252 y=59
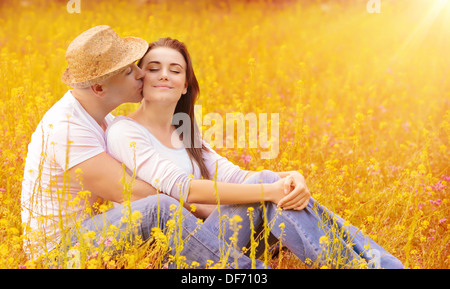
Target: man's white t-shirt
x=66 y=136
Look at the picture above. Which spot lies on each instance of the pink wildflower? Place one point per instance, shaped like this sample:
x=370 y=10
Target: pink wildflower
x=247 y=158
x=438 y=186
x=437 y=202
x=108 y=241
x=104 y=241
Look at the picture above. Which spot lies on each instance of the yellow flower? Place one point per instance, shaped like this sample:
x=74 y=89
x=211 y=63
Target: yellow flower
x=84 y=194
x=13 y=231
x=360 y=117
x=422 y=169
x=89 y=235
x=136 y=216
x=324 y=240
x=103 y=208
x=170 y=223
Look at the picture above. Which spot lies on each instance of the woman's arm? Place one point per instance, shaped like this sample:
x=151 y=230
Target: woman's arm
x=127 y=142
x=210 y=192
x=296 y=194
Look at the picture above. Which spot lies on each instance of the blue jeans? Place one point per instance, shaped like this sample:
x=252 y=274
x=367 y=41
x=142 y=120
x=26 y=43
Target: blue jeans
x=313 y=233
x=310 y=234
x=201 y=245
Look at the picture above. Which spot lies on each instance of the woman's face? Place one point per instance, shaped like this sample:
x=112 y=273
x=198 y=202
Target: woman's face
x=165 y=75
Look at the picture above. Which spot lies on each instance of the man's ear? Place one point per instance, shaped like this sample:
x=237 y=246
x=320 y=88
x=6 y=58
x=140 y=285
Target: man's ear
x=98 y=90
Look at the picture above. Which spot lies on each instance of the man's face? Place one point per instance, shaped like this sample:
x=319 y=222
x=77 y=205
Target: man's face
x=125 y=86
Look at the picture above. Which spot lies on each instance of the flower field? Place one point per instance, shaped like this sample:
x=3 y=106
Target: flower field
x=363 y=101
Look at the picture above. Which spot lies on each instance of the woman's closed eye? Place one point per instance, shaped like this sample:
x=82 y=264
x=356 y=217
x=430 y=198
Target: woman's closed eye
x=157 y=69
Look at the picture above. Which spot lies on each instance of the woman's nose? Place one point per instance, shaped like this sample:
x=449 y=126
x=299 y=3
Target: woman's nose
x=164 y=74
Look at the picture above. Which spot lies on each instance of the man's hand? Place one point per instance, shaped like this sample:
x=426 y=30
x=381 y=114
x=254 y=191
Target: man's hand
x=297 y=192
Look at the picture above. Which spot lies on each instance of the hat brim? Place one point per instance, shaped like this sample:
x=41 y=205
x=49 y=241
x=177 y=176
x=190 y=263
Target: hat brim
x=135 y=50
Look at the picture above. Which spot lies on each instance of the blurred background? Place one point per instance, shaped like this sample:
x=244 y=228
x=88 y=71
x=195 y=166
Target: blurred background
x=363 y=98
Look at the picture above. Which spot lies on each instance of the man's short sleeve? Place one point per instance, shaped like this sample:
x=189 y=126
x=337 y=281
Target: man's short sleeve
x=74 y=143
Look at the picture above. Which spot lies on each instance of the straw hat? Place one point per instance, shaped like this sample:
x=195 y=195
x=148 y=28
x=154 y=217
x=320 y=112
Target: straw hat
x=98 y=54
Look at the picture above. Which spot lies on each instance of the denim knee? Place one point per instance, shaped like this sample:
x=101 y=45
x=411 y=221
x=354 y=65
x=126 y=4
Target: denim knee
x=155 y=203
x=263 y=177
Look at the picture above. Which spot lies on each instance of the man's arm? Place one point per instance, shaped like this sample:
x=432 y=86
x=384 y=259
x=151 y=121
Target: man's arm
x=103 y=176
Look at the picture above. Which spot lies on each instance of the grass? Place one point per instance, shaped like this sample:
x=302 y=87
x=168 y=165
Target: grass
x=363 y=104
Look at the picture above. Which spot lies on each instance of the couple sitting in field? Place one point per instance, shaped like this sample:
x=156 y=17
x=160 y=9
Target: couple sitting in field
x=79 y=146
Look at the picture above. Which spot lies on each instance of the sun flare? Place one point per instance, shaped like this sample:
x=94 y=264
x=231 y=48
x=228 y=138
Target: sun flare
x=363 y=101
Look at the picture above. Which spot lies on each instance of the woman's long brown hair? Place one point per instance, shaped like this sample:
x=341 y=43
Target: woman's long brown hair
x=186 y=103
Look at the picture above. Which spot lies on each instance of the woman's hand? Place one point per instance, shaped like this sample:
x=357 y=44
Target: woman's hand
x=274 y=192
x=296 y=191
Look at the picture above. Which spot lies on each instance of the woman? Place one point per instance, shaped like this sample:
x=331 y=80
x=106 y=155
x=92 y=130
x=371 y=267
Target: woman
x=151 y=146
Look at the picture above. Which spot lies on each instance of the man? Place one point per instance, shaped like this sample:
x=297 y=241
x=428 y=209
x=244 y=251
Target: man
x=66 y=154
x=67 y=168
